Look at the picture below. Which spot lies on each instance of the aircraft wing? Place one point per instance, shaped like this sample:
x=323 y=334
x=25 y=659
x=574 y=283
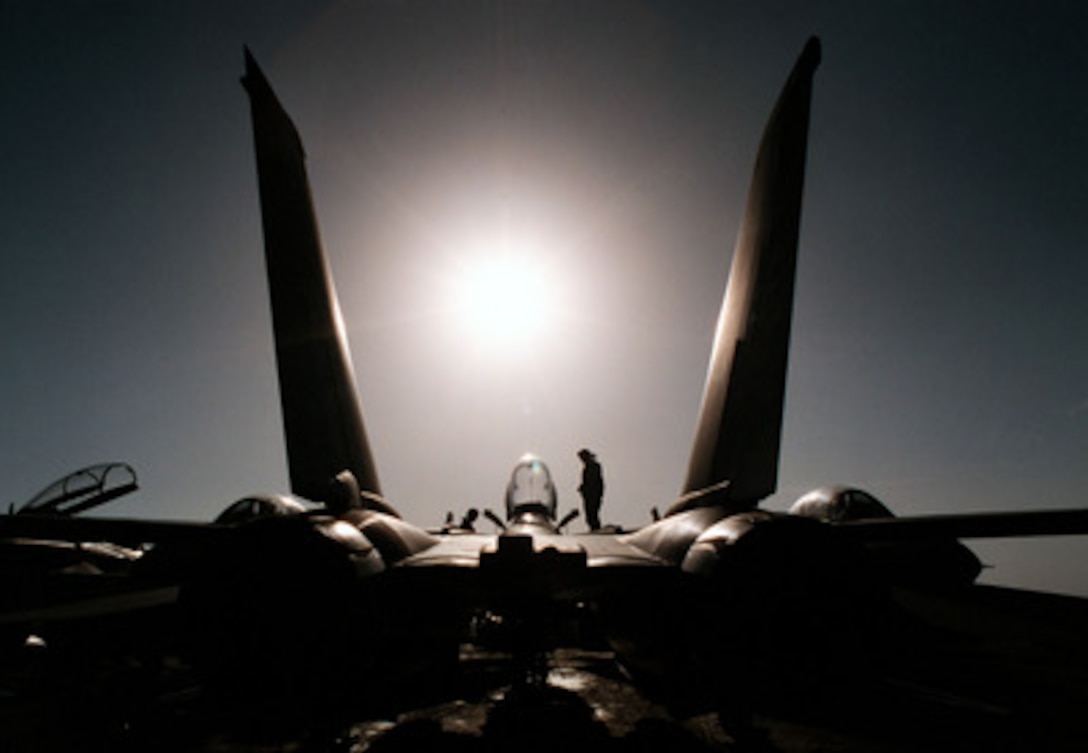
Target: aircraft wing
x=70 y=569
x=125 y=531
x=967 y=526
x=93 y=607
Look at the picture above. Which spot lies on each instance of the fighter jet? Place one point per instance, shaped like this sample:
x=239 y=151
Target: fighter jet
x=327 y=596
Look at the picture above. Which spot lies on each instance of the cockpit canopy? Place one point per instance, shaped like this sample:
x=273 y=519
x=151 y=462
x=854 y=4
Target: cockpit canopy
x=83 y=490
x=531 y=489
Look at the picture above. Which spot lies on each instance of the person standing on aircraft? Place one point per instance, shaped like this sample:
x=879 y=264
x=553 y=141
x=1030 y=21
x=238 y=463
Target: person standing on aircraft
x=592 y=488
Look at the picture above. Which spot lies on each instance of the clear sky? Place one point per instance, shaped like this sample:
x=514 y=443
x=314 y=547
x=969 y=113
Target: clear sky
x=939 y=355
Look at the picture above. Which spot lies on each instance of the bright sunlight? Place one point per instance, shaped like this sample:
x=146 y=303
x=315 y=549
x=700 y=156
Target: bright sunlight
x=505 y=298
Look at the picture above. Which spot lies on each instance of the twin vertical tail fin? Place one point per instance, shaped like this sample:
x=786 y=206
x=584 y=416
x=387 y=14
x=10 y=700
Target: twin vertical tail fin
x=323 y=424
x=734 y=459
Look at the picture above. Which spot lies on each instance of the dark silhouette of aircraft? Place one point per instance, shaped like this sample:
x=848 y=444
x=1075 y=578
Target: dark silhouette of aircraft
x=327 y=598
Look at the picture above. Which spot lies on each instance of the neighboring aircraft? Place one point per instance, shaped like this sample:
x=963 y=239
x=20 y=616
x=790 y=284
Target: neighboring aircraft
x=327 y=598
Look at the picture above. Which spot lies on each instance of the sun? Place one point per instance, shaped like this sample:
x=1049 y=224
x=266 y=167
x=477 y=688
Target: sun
x=505 y=298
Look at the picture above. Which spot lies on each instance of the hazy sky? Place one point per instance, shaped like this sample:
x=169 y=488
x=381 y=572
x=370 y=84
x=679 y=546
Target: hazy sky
x=939 y=355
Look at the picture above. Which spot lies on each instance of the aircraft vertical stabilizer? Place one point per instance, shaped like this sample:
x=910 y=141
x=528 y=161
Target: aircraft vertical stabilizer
x=323 y=424
x=734 y=460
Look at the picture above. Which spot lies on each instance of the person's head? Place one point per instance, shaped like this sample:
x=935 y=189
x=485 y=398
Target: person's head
x=586 y=455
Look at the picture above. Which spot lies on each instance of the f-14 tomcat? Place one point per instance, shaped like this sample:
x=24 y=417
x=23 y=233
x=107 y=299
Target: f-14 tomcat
x=327 y=595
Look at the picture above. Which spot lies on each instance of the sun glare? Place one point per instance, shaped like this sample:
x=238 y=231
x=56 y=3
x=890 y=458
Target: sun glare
x=505 y=298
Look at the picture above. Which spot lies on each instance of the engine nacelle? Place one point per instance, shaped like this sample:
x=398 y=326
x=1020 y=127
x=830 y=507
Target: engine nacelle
x=926 y=563
x=783 y=568
x=288 y=582
x=765 y=599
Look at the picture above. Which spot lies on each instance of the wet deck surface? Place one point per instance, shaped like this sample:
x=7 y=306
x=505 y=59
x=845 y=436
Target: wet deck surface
x=586 y=704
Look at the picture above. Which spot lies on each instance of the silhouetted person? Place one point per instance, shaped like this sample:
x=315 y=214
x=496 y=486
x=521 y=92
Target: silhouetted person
x=591 y=489
x=468 y=523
